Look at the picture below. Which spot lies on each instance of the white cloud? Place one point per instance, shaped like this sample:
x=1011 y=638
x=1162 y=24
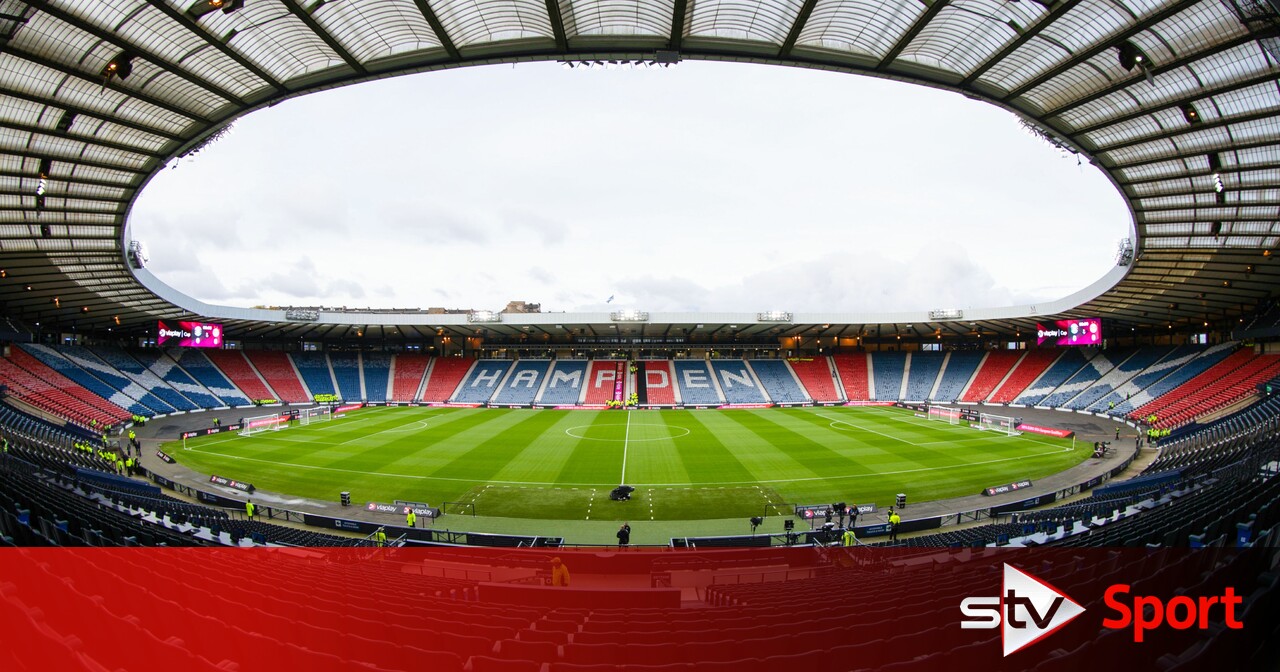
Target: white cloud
x=708 y=187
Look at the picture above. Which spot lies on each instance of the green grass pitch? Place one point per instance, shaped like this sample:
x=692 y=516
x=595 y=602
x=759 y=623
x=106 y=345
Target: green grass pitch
x=685 y=465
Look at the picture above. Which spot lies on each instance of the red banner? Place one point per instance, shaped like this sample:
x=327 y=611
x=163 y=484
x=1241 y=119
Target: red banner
x=757 y=609
x=1047 y=431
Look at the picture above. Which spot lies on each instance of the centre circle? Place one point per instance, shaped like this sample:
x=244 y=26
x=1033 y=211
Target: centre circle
x=580 y=430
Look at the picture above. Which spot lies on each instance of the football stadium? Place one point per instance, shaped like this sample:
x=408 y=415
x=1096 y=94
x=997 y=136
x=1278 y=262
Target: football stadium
x=1088 y=480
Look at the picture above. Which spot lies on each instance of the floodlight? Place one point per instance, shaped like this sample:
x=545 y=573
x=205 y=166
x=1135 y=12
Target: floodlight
x=1131 y=56
x=121 y=66
x=209 y=6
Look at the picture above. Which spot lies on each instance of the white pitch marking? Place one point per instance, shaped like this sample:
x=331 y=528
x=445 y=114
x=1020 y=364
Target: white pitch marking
x=626 y=438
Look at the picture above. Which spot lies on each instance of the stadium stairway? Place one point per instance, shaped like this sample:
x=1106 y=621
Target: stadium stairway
x=1205 y=394
x=696 y=383
x=524 y=382
x=313 y=369
x=92 y=368
x=1028 y=369
x=817 y=378
x=197 y=365
x=445 y=377
x=38 y=358
x=564 y=383
x=855 y=376
x=159 y=364
x=1190 y=384
x=737 y=382
x=888 y=373
x=995 y=368
x=1065 y=366
x=1093 y=397
x=375 y=375
x=958 y=369
x=1093 y=370
x=780 y=382
x=407 y=374
x=1168 y=374
x=278 y=370
x=657 y=383
x=345 y=369
x=50 y=391
x=132 y=368
x=233 y=365
x=483 y=381
x=922 y=369
x=602 y=375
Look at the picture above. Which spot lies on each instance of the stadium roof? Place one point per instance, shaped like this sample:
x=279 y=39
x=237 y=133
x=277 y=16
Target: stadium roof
x=1176 y=100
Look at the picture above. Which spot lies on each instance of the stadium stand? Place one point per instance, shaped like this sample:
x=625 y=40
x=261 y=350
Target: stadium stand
x=126 y=365
x=1180 y=366
x=1233 y=379
x=15 y=331
x=1030 y=367
x=778 y=381
x=107 y=373
x=47 y=445
x=50 y=391
x=409 y=372
x=197 y=365
x=887 y=371
x=656 y=383
x=816 y=378
x=232 y=365
x=855 y=377
x=483 y=381
x=1099 y=395
x=444 y=376
x=1065 y=366
x=564 y=383
x=53 y=360
x=277 y=369
x=161 y=366
x=524 y=383
x=737 y=383
x=601 y=377
x=958 y=370
x=924 y=369
x=314 y=369
x=994 y=368
x=696 y=384
x=377 y=375
x=1093 y=370
x=346 y=372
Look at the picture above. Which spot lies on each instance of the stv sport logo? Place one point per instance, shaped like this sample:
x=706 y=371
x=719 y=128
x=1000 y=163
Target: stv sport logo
x=1028 y=608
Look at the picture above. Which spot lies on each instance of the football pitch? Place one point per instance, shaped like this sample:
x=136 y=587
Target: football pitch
x=685 y=465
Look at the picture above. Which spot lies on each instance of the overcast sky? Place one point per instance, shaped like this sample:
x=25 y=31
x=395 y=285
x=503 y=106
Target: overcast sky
x=702 y=187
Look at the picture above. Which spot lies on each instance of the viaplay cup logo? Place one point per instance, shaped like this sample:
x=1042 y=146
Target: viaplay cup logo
x=1028 y=609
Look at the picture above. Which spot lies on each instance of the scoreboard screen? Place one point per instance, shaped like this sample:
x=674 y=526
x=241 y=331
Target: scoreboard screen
x=1080 y=331
x=190 y=335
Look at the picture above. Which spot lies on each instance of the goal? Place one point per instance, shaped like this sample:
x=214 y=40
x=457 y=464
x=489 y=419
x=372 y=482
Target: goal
x=948 y=415
x=261 y=423
x=998 y=423
x=307 y=416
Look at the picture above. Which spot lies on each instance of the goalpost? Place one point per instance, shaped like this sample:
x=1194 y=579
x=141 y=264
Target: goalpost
x=307 y=416
x=998 y=423
x=261 y=423
x=948 y=415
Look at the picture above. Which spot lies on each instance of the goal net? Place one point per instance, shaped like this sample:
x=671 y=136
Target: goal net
x=998 y=423
x=261 y=423
x=309 y=415
x=947 y=415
